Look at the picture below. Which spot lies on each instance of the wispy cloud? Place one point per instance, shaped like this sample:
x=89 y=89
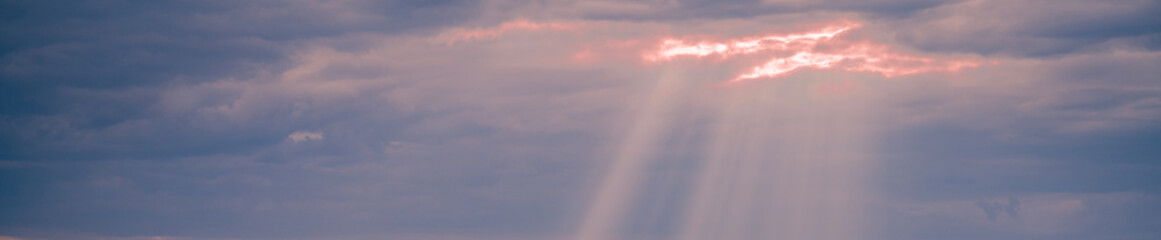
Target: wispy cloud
x=301 y=136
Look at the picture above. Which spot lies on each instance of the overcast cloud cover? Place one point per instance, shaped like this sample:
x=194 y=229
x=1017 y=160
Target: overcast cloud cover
x=353 y=119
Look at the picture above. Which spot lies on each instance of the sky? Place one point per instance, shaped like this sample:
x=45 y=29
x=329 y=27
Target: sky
x=496 y=119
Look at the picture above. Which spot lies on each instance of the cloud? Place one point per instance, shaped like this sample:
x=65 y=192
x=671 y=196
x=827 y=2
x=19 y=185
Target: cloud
x=416 y=147
x=460 y=34
x=993 y=209
x=300 y=136
x=1031 y=27
x=1041 y=215
x=189 y=119
x=821 y=48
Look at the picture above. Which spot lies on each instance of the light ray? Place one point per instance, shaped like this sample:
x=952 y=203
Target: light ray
x=778 y=162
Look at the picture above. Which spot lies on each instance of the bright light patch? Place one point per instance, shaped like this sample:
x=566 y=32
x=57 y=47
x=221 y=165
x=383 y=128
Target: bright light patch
x=671 y=48
x=807 y=53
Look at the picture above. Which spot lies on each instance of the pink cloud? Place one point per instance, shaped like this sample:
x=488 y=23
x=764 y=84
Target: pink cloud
x=823 y=48
x=462 y=35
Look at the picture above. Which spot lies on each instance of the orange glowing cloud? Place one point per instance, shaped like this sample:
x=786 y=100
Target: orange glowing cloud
x=671 y=48
x=805 y=52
